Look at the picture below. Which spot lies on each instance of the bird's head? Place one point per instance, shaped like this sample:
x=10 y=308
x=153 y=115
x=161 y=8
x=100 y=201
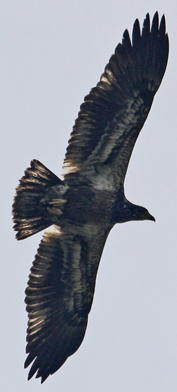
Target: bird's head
x=139 y=213
x=125 y=211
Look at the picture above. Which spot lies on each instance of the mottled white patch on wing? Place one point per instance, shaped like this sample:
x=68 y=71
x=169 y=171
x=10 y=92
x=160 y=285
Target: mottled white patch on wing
x=90 y=231
x=75 y=271
x=54 y=230
x=103 y=182
x=114 y=134
x=36 y=322
x=69 y=168
x=118 y=128
x=118 y=141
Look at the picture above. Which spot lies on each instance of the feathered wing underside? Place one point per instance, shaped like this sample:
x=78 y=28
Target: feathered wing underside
x=114 y=112
x=59 y=295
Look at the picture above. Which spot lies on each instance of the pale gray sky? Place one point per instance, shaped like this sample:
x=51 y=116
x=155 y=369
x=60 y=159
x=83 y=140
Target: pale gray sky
x=52 y=53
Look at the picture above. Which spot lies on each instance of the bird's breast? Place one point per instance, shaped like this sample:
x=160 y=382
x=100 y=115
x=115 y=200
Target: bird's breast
x=88 y=205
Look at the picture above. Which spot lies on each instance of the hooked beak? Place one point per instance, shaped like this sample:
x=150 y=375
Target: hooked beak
x=151 y=218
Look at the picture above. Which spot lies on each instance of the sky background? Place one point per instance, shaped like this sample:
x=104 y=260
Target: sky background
x=52 y=53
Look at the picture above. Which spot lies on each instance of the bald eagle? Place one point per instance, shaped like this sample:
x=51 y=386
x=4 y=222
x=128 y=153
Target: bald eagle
x=90 y=200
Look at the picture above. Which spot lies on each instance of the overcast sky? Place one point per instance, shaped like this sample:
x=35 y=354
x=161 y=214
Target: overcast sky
x=52 y=53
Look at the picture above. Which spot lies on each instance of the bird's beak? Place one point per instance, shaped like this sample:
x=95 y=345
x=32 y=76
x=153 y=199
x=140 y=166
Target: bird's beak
x=151 y=218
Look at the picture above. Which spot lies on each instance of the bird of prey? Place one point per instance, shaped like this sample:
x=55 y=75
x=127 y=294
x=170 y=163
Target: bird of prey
x=90 y=200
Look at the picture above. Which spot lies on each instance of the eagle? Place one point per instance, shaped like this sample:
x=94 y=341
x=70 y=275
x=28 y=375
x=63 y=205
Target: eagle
x=79 y=211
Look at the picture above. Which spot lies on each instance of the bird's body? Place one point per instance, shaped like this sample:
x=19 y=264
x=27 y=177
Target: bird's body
x=89 y=202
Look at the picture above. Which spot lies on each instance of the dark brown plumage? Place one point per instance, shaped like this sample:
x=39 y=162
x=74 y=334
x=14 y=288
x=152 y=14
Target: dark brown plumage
x=86 y=205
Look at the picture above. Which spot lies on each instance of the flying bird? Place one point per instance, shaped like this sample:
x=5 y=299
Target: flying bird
x=90 y=200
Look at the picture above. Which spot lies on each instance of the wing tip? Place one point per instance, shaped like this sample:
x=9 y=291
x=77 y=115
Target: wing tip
x=151 y=28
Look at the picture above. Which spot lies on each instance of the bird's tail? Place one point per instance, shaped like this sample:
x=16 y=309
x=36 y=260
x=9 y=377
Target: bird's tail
x=34 y=203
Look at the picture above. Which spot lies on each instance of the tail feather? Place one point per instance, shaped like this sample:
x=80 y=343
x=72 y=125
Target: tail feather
x=31 y=212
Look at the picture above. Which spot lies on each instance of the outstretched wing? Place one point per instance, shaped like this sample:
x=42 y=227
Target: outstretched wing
x=59 y=295
x=114 y=112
